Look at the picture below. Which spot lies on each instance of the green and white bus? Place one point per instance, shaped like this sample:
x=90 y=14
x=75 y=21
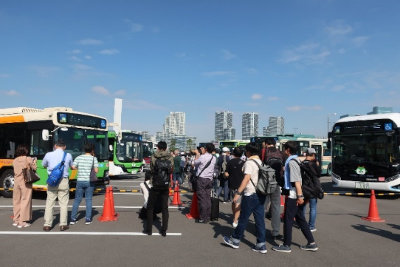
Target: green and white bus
x=127 y=153
x=366 y=152
x=39 y=129
x=231 y=144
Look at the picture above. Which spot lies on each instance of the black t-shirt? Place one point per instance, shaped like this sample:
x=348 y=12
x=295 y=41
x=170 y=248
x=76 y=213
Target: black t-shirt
x=234 y=168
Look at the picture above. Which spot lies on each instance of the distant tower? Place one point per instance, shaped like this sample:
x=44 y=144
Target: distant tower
x=249 y=125
x=276 y=126
x=175 y=123
x=223 y=121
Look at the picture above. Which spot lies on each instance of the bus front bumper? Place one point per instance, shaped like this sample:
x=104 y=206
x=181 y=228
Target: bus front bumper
x=393 y=185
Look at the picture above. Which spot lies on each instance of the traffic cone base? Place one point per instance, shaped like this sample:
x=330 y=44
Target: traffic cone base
x=176 y=201
x=373 y=214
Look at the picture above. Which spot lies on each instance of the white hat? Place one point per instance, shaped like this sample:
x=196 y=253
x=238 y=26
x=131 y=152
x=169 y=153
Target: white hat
x=225 y=149
x=311 y=151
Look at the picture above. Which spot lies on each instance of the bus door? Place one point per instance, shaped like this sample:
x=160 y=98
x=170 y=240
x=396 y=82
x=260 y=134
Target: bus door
x=318 y=149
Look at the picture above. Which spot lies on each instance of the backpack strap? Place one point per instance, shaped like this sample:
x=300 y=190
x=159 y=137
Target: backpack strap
x=63 y=159
x=205 y=167
x=259 y=166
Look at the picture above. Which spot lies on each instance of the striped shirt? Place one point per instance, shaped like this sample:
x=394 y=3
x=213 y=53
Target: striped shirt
x=84 y=163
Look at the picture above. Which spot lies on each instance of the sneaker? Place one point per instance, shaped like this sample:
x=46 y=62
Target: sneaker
x=15 y=224
x=282 y=248
x=72 y=222
x=262 y=249
x=229 y=241
x=313 y=229
x=234 y=225
x=310 y=247
x=24 y=225
x=87 y=222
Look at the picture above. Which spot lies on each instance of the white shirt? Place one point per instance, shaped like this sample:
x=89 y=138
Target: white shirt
x=250 y=167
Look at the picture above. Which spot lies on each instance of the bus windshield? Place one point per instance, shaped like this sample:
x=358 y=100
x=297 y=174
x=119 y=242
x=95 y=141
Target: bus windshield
x=75 y=139
x=147 y=150
x=366 y=148
x=129 y=149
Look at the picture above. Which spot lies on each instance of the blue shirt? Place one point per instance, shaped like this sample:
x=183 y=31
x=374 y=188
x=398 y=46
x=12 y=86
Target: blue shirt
x=52 y=159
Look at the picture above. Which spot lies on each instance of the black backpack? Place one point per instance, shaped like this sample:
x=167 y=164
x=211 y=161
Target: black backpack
x=162 y=172
x=311 y=186
x=274 y=159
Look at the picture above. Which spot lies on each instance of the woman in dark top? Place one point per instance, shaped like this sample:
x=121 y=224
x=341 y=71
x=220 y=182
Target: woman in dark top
x=234 y=173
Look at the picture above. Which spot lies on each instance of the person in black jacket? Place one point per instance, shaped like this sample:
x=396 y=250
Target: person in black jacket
x=315 y=170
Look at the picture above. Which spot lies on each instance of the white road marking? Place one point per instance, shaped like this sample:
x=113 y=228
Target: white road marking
x=70 y=206
x=82 y=233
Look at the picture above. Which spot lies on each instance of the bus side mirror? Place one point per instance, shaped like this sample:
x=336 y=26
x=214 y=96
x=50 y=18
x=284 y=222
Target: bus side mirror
x=110 y=147
x=45 y=135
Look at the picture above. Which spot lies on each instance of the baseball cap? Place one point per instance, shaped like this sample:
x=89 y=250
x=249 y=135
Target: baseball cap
x=311 y=151
x=225 y=149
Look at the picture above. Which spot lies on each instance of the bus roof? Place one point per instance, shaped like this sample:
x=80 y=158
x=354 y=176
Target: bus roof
x=395 y=117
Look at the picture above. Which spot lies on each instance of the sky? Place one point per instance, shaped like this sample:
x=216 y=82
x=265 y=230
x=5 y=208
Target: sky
x=305 y=60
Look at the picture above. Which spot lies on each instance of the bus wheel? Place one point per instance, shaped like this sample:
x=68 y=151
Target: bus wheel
x=7 y=183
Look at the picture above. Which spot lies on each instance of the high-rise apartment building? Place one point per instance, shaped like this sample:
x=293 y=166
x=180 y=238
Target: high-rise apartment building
x=175 y=123
x=249 y=125
x=223 y=121
x=276 y=126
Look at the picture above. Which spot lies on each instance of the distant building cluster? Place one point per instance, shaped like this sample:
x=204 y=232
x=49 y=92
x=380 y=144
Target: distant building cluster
x=223 y=126
x=174 y=132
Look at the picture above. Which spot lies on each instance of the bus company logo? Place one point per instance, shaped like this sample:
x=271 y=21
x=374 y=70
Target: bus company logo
x=361 y=170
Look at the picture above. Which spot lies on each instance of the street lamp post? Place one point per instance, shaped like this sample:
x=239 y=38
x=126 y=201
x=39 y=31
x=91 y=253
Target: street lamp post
x=328 y=126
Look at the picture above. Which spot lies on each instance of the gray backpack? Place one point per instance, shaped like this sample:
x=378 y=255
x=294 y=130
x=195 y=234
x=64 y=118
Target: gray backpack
x=267 y=183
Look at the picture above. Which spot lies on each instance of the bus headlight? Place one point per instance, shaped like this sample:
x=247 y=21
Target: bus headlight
x=389 y=179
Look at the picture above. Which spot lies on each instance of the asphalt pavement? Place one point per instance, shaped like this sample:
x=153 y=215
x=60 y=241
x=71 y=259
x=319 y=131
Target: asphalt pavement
x=343 y=238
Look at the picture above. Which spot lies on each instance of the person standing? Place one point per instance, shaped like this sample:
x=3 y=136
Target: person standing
x=161 y=167
x=205 y=165
x=314 y=169
x=22 y=192
x=61 y=191
x=294 y=204
x=251 y=203
x=84 y=164
x=223 y=181
x=234 y=174
x=177 y=174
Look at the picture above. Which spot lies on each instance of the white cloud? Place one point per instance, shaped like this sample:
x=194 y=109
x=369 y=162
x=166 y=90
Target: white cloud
x=300 y=108
x=4 y=75
x=75 y=58
x=10 y=93
x=216 y=73
x=100 y=90
x=338 y=28
x=256 y=96
x=273 y=98
x=109 y=52
x=228 y=55
x=80 y=67
x=134 y=27
x=310 y=53
x=359 y=40
x=75 y=51
x=89 y=41
x=120 y=93
x=88 y=57
x=44 y=71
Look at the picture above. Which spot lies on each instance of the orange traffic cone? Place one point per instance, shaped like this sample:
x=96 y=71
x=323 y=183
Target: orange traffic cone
x=171 y=190
x=194 y=210
x=284 y=207
x=112 y=202
x=373 y=214
x=282 y=201
x=108 y=207
x=177 y=198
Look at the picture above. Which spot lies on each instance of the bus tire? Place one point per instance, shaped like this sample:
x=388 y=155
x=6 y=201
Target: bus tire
x=7 y=183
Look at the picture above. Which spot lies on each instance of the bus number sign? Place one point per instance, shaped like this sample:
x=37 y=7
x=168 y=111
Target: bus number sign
x=361 y=185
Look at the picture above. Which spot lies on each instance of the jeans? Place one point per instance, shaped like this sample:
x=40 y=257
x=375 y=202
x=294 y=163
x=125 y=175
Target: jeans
x=223 y=185
x=251 y=204
x=294 y=211
x=275 y=199
x=177 y=177
x=313 y=213
x=83 y=187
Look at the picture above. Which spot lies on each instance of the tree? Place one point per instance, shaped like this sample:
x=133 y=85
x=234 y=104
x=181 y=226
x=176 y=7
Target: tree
x=189 y=143
x=173 y=144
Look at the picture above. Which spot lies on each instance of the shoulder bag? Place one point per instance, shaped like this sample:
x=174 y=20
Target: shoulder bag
x=93 y=176
x=30 y=176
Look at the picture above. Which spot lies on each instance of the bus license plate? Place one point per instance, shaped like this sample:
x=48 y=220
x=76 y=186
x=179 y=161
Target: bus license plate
x=134 y=172
x=362 y=185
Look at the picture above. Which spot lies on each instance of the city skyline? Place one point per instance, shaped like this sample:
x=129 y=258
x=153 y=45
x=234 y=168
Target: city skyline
x=302 y=60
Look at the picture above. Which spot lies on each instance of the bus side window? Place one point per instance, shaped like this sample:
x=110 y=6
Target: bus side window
x=38 y=147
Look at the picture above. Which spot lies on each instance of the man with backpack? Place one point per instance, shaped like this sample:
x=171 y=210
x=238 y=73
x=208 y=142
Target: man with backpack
x=274 y=158
x=294 y=204
x=161 y=167
x=313 y=172
x=251 y=202
x=61 y=191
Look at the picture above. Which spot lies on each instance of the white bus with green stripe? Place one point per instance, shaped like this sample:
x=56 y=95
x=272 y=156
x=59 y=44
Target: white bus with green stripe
x=39 y=129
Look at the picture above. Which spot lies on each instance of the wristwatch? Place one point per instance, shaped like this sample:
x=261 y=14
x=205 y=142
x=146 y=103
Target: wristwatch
x=300 y=196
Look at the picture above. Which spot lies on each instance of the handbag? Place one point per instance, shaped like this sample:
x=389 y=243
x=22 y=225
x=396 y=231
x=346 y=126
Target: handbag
x=93 y=176
x=30 y=176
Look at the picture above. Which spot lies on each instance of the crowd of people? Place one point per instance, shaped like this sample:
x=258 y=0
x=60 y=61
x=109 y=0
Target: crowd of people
x=234 y=173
